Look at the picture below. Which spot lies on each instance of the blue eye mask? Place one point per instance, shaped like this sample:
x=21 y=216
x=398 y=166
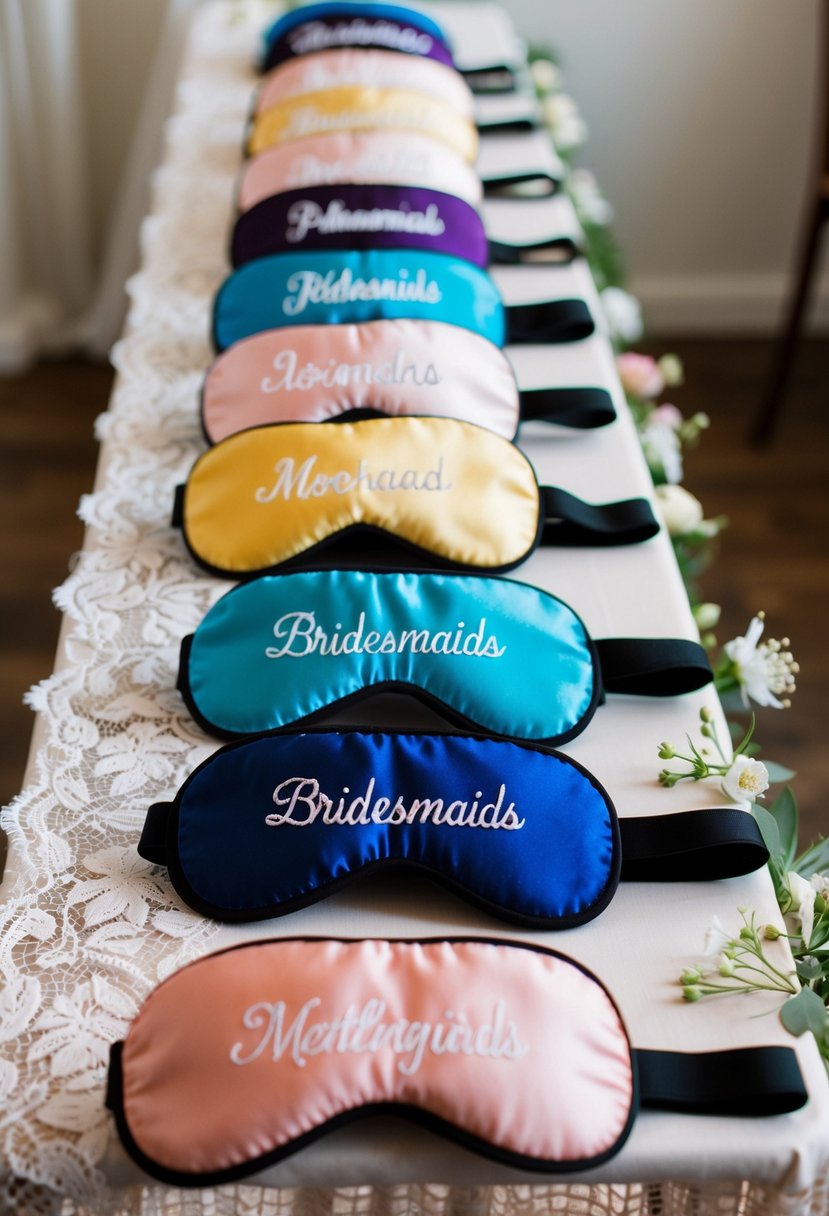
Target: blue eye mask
x=291 y=648
x=321 y=27
x=270 y=825
x=320 y=288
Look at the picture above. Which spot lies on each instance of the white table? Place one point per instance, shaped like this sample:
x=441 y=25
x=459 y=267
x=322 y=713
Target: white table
x=87 y=928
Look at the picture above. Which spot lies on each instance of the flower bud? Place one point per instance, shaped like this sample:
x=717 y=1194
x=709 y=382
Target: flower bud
x=771 y=933
x=727 y=968
x=691 y=992
x=666 y=752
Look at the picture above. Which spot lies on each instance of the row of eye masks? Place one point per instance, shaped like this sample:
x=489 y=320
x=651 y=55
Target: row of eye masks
x=313 y=373
x=352 y=216
x=317 y=288
x=434 y=488
x=272 y=824
x=513 y=1050
x=290 y=648
x=331 y=26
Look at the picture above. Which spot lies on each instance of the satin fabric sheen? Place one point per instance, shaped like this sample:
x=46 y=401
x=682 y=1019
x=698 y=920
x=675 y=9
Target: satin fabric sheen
x=555 y=865
x=343 y=9
x=317 y=288
x=190 y=1108
x=311 y=373
x=251 y=501
x=353 y=107
x=383 y=69
x=373 y=157
x=239 y=690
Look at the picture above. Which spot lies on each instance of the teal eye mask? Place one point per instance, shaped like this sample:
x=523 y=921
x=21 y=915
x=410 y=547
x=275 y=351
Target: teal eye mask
x=289 y=648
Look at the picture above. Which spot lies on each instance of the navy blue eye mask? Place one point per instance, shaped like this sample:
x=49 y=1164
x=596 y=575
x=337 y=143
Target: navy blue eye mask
x=318 y=288
x=270 y=825
x=353 y=216
x=404 y=489
x=324 y=27
x=292 y=648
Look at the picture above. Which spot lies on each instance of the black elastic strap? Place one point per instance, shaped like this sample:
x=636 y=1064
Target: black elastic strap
x=530 y=184
x=692 y=846
x=549 y=321
x=152 y=845
x=744 y=1081
x=582 y=408
x=556 y=250
x=653 y=667
x=571 y=521
x=178 y=507
x=496 y=79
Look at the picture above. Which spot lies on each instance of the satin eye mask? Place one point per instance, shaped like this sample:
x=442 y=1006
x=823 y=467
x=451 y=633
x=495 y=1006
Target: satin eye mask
x=312 y=373
x=351 y=216
x=445 y=490
x=326 y=27
x=289 y=648
x=366 y=157
x=513 y=1050
x=317 y=288
x=383 y=69
x=271 y=825
x=356 y=107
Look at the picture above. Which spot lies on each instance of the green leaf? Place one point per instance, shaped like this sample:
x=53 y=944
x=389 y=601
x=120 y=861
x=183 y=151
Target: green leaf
x=808 y=971
x=751 y=749
x=803 y=1012
x=814 y=860
x=784 y=810
x=771 y=839
x=778 y=772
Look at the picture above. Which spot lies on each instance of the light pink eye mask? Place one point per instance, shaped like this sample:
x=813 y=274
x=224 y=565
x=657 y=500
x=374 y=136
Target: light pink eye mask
x=384 y=69
x=314 y=373
x=513 y=1050
x=364 y=157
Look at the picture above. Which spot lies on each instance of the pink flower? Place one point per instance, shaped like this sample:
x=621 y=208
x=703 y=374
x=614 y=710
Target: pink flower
x=640 y=375
x=669 y=415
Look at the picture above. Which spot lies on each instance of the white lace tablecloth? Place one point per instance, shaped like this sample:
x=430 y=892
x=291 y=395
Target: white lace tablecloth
x=87 y=928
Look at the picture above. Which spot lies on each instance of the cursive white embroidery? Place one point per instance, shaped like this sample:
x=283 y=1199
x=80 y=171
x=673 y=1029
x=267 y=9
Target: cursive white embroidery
x=300 y=635
x=308 y=120
x=306 y=216
x=304 y=802
x=305 y=483
x=386 y=166
x=306 y=287
x=316 y=36
x=362 y=1031
x=400 y=369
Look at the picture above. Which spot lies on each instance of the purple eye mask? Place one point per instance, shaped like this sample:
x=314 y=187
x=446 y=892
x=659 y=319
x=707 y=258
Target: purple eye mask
x=354 y=216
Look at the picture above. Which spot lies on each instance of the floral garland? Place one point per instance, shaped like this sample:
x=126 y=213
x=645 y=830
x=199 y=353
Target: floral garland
x=761 y=672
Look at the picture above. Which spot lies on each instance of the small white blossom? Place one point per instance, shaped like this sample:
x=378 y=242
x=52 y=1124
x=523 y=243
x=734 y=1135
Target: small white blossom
x=803 y=903
x=663 y=450
x=545 y=75
x=588 y=199
x=716 y=938
x=623 y=313
x=681 y=512
x=561 y=115
x=764 y=670
x=745 y=780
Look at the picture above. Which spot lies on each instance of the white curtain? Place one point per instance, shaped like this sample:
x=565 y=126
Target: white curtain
x=52 y=298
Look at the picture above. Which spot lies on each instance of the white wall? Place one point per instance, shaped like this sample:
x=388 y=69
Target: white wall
x=702 y=117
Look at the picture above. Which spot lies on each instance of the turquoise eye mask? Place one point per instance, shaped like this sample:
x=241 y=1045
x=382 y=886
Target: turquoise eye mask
x=270 y=825
x=433 y=489
x=290 y=648
x=321 y=288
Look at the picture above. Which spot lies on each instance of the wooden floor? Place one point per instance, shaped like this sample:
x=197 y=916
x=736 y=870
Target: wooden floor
x=773 y=556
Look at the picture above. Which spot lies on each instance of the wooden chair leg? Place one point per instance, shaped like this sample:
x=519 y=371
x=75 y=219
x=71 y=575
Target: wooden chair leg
x=786 y=346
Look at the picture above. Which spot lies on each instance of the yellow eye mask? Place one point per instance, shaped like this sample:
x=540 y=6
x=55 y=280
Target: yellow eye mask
x=357 y=107
x=436 y=487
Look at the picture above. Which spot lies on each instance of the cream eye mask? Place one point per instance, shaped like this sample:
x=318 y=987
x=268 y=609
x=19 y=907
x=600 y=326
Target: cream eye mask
x=287 y=649
x=379 y=158
x=314 y=373
x=353 y=217
x=325 y=27
x=379 y=68
x=357 y=107
x=512 y=1050
x=319 y=288
x=270 y=825
x=432 y=488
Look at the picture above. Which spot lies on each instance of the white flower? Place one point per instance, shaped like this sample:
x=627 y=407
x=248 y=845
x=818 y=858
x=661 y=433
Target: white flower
x=623 y=313
x=561 y=115
x=681 y=512
x=716 y=938
x=588 y=198
x=821 y=884
x=707 y=615
x=663 y=450
x=765 y=670
x=803 y=903
x=746 y=780
x=545 y=75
